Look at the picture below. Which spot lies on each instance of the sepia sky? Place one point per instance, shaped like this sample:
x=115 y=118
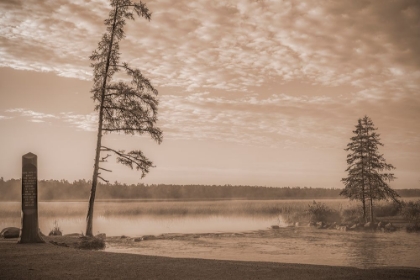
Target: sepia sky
x=251 y=92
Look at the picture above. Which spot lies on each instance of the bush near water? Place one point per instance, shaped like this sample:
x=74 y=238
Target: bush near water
x=351 y=218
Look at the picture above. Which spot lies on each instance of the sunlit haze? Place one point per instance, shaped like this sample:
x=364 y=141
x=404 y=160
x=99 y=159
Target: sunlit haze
x=251 y=92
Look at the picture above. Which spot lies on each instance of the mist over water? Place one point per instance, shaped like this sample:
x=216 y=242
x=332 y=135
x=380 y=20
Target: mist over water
x=134 y=227
x=141 y=218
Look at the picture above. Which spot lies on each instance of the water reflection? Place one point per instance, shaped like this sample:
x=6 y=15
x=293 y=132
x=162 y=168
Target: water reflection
x=363 y=250
x=384 y=249
x=136 y=219
x=160 y=225
x=117 y=226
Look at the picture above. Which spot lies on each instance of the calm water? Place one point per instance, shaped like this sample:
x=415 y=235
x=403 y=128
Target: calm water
x=288 y=245
x=224 y=230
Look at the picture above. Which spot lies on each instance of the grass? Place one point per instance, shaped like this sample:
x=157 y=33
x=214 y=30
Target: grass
x=83 y=242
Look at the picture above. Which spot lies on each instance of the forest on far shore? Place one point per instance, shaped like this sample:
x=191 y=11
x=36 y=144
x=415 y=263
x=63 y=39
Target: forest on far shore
x=10 y=190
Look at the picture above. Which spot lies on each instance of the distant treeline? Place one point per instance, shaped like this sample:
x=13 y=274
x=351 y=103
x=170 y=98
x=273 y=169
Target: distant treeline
x=80 y=190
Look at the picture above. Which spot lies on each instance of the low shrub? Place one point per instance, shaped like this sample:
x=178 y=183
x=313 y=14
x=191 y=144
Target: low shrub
x=411 y=211
x=294 y=214
x=352 y=215
x=320 y=212
x=387 y=209
x=56 y=230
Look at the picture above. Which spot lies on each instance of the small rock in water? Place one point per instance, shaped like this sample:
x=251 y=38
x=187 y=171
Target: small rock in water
x=343 y=228
x=10 y=232
x=368 y=225
x=275 y=227
x=390 y=227
x=148 y=237
x=333 y=226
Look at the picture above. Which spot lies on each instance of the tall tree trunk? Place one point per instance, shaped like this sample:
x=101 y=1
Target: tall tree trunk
x=371 y=200
x=369 y=159
x=89 y=217
x=364 y=206
x=363 y=181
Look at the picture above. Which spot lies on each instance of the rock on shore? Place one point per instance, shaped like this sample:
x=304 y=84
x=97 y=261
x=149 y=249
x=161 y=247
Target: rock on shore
x=10 y=232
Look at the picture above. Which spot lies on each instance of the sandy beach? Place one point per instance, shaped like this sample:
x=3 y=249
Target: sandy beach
x=48 y=261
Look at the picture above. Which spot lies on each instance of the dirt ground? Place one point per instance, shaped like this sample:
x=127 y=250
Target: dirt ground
x=48 y=261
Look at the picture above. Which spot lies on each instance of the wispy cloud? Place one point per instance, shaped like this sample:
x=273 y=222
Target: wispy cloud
x=33 y=115
x=229 y=45
x=225 y=60
x=281 y=99
x=87 y=122
x=243 y=122
x=37 y=121
x=4 y=118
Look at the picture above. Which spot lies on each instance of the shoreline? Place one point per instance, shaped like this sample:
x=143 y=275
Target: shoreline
x=48 y=261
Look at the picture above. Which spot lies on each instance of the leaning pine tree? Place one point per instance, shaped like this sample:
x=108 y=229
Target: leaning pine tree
x=366 y=180
x=124 y=108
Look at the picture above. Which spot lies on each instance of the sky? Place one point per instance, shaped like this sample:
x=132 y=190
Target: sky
x=251 y=92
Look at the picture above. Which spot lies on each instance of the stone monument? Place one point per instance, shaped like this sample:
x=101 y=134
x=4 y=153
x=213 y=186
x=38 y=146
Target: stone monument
x=30 y=229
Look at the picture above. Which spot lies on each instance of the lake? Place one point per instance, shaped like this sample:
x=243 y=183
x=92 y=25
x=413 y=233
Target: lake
x=230 y=230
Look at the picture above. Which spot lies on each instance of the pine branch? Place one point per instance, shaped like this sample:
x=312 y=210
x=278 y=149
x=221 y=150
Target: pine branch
x=106 y=181
x=103 y=159
x=105 y=169
x=132 y=159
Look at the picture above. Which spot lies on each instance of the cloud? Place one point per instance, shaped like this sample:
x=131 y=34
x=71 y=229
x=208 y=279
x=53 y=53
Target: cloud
x=54 y=36
x=281 y=99
x=87 y=122
x=37 y=121
x=35 y=116
x=222 y=64
x=244 y=121
x=229 y=45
